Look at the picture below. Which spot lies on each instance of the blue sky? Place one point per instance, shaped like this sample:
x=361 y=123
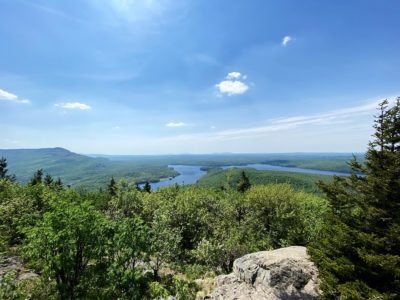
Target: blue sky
x=195 y=76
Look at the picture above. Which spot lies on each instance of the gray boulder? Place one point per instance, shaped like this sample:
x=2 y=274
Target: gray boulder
x=285 y=273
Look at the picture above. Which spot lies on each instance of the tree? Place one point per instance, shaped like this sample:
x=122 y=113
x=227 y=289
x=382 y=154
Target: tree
x=3 y=167
x=4 y=170
x=164 y=245
x=67 y=243
x=358 y=253
x=58 y=185
x=127 y=252
x=112 y=187
x=48 y=180
x=37 y=177
x=244 y=183
x=147 y=187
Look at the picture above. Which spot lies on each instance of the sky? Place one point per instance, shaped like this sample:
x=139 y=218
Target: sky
x=195 y=76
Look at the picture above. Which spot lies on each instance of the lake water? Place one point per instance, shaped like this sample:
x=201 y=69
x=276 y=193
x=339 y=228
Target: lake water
x=191 y=174
x=188 y=175
x=287 y=169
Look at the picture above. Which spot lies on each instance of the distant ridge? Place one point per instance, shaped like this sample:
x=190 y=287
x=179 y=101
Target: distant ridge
x=77 y=169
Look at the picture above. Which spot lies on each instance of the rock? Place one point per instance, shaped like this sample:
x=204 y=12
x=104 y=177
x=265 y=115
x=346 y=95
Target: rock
x=285 y=273
x=15 y=264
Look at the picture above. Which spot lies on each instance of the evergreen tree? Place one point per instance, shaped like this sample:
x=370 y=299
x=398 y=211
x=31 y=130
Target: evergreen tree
x=37 y=177
x=58 y=184
x=3 y=167
x=358 y=253
x=112 y=187
x=48 y=180
x=4 y=170
x=147 y=187
x=244 y=183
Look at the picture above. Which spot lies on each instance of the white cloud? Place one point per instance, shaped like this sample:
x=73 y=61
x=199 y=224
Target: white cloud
x=7 y=96
x=233 y=75
x=213 y=127
x=232 y=85
x=177 y=124
x=73 y=105
x=116 y=127
x=286 y=40
x=4 y=95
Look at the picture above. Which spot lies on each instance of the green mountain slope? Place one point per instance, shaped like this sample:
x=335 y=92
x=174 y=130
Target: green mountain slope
x=80 y=170
x=217 y=178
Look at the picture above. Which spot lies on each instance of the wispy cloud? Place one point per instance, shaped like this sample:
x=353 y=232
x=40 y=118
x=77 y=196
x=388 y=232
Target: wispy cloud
x=7 y=96
x=176 y=124
x=73 y=105
x=331 y=118
x=286 y=40
x=340 y=116
x=232 y=85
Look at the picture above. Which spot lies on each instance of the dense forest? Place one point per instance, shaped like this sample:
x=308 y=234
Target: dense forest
x=123 y=242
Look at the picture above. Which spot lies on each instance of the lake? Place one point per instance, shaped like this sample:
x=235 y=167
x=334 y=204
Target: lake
x=188 y=175
x=191 y=174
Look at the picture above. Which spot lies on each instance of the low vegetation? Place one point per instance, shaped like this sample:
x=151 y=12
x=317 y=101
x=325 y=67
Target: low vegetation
x=122 y=242
x=131 y=244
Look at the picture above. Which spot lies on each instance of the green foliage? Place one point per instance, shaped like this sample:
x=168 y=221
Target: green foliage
x=147 y=187
x=138 y=245
x=127 y=249
x=244 y=183
x=358 y=252
x=218 y=178
x=112 y=187
x=37 y=177
x=63 y=244
x=33 y=288
x=4 y=170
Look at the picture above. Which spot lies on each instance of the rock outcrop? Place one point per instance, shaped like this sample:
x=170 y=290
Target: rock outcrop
x=14 y=264
x=285 y=273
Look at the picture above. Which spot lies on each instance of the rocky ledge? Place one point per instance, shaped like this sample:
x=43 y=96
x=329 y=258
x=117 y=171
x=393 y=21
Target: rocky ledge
x=285 y=273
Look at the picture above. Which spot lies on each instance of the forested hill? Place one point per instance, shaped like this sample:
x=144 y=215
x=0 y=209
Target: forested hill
x=76 y=169
x=95 y=171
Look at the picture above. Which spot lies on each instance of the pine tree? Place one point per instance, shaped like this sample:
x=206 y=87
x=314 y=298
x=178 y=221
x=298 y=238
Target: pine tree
x=48 y=180
x=112 y=187
x=244 y=183
x=58 y=184
x=37 y=177
x=3 y=167
x=358 y=254
x=147 y=187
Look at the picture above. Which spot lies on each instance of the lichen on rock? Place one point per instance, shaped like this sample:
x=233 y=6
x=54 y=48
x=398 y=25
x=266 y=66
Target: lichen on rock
x=285 y=273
